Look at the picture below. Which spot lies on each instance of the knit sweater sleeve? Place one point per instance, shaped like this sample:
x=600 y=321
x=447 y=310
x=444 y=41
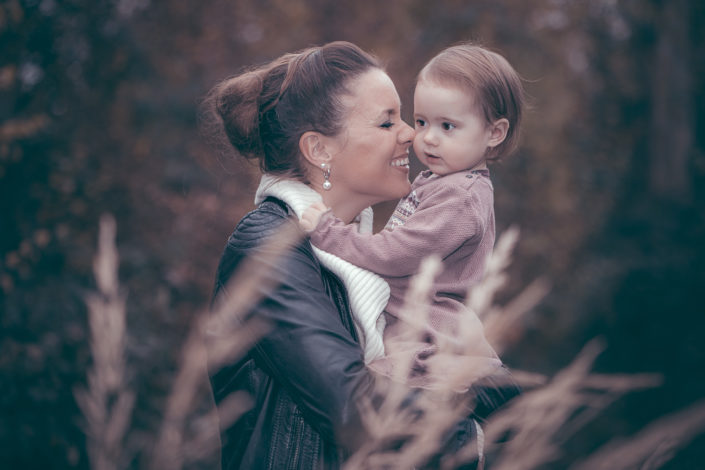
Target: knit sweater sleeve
x=444 y=220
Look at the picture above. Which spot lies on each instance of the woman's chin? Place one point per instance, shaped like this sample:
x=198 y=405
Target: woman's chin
x=403 y=190
x=391 y=190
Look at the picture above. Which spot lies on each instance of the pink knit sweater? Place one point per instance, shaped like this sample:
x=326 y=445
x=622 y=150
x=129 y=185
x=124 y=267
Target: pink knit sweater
x=451 y=216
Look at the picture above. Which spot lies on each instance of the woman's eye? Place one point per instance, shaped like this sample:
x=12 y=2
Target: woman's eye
x=420 y=123
x=387 y=125
x=448 y=126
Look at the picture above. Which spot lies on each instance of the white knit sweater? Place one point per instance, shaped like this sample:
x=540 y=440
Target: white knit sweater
x=367 y=292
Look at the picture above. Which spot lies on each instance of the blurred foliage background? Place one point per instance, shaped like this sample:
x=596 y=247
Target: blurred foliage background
x=99 y=113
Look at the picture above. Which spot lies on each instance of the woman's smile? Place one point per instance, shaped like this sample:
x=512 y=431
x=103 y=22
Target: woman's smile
x=401 y=163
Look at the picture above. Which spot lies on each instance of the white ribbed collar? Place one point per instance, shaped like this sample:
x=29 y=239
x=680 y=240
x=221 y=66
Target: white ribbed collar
x=367 y=292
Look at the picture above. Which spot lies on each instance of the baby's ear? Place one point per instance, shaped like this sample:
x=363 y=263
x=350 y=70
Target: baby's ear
x=498 y=132
x=313 y=149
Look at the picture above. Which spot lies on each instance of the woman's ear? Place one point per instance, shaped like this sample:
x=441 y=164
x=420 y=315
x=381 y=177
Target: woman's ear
x=312 y=147
x=498 y=132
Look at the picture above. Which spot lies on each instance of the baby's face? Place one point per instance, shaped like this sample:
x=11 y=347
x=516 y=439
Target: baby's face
x=451 y=134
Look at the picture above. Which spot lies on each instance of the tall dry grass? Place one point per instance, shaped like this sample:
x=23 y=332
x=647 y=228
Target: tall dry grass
x=538 y=422
x=108 y=400
x=216 y=338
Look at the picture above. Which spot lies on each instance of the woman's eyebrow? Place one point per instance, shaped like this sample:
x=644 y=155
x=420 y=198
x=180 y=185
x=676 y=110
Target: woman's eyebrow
x=386 y=113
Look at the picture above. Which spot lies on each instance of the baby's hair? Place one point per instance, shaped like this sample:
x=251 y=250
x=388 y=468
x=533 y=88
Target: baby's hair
x=490 y=78
x=265 y=111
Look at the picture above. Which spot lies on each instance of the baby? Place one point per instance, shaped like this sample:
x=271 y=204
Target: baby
x=467 y=111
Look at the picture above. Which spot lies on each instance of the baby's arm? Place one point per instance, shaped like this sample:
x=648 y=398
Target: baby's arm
x=442 y=222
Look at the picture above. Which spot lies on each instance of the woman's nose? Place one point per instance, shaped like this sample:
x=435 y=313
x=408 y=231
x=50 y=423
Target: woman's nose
x=406 y=134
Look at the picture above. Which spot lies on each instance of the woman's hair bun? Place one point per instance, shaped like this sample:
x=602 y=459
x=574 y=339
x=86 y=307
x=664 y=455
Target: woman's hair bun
x=236 y=102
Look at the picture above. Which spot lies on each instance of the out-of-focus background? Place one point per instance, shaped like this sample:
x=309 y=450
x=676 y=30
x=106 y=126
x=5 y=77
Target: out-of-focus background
x=99 y=114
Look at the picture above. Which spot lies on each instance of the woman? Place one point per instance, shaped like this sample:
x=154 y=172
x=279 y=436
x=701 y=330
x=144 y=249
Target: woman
x=323 y=124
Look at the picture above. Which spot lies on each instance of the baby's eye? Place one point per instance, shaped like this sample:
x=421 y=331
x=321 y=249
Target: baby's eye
x=420 y=123
x=387 y=125
x=448 y=126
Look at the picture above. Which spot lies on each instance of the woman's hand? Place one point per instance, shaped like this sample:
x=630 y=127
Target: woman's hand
x=311 y=216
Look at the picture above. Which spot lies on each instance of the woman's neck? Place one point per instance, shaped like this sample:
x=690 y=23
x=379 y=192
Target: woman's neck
x=344 y=208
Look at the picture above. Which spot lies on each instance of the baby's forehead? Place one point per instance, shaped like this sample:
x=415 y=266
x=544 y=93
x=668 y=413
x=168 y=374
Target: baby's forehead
x=452 y=92
x=448 y=83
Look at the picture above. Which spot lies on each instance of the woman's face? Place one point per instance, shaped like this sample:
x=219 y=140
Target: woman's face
x=370 y=158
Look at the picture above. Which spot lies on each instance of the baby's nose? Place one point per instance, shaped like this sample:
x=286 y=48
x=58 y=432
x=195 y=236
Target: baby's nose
x=429 y=137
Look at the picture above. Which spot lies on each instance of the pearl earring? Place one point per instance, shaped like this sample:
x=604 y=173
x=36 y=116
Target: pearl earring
x=326 y=176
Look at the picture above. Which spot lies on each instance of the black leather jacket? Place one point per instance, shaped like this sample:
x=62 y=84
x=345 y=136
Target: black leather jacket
x=305 y=374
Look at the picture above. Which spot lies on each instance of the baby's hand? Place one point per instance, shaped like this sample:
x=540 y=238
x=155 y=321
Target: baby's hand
x=311 y=216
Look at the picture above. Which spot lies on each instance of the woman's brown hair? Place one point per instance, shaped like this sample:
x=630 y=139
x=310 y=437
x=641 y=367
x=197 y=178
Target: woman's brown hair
x=264 y=111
